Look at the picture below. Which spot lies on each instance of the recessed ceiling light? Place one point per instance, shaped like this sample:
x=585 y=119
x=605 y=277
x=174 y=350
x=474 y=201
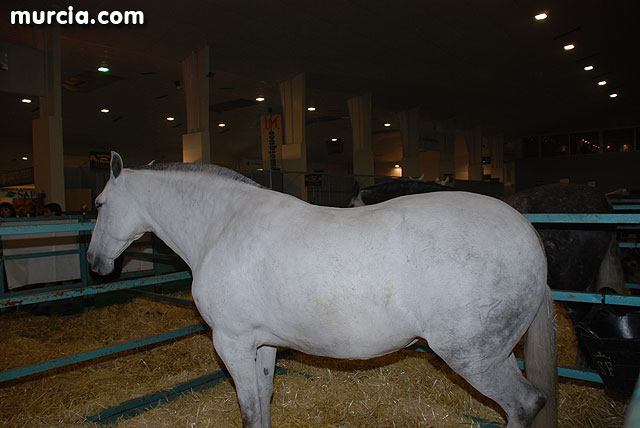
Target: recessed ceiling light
x=588 y=68
x=26 y=100
x=25 y=158
x=311 y=108
x=259 y=169
x=171 y=118
x=104 y=110
x=602 y=83
x=260 y=99
x=569 y=47
x=613 y=95
x=103 y=69
x=541 y=16
x=396 y=166
x=222 y=125
x=334 y=139
x=387 y=124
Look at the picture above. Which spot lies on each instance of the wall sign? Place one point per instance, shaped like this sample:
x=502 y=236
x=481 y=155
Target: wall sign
x=271 y=126
x=100 y=160
x=313 y=180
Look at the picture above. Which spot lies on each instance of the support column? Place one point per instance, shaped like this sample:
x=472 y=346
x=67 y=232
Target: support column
x=363 y=158
x=294 y=149
x=497 y=157
x=48 y=157
x=474 y=144
x=410 y=130
x=196 y=144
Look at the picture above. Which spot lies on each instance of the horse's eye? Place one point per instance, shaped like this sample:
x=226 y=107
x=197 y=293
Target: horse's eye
x=98 y=205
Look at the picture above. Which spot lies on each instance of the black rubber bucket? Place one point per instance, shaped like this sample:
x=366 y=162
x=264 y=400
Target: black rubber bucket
x=612 y=338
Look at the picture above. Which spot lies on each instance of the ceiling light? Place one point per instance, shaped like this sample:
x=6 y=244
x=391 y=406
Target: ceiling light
x=602 y=83
x=588 y=68
x=311 y=108
x=171 y=118
x=25 y=158
x=26 y=100
x=541 y=16
x=104 y=110
x=569 y=47
x=260 y=169
x=222 y=125
x=387 y=124
x=334 y=139
x=103 y=69
x=396 y=166
x=260 y=99
x=613 y=95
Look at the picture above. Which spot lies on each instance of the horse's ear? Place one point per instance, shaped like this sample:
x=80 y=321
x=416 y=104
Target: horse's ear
x=116 y=165
x=151 y=163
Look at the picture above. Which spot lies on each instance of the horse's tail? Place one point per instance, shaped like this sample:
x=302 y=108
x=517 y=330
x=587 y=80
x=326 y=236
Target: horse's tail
x=540 y=361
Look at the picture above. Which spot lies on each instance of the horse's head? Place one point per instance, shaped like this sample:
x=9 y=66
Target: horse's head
x=118 y=223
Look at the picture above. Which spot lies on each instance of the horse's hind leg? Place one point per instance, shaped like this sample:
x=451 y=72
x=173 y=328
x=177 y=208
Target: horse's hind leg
x=265 y=366
x=505 y=384
x=240 y=359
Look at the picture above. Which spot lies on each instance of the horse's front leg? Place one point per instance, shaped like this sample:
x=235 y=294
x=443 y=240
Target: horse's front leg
x=265 y=366
x=240 y=358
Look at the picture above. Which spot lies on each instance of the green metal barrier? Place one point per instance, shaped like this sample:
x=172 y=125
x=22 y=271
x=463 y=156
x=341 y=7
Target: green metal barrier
x=82 y=287
x=55 y=294
x=83 y=227
x=97 y=353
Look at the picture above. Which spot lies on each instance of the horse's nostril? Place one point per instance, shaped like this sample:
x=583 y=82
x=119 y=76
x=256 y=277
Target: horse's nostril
x=93 y=261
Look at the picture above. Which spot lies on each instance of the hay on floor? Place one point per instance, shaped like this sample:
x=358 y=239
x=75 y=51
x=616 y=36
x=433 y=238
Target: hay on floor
x=406 y=389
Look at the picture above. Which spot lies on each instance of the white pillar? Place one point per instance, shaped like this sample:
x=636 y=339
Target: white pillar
x=48 y=157
x=363 y=158
x=196 y=143
x=294 y=149
x=474 y=144
x=410 y=131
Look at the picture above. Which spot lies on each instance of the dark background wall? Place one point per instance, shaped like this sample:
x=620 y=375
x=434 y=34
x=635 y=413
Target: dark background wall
x=609 y=171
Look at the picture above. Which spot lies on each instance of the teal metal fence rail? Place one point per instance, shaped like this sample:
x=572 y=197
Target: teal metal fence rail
x=83 y=286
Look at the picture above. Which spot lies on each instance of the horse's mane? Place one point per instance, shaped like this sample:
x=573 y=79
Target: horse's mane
x=199 y=167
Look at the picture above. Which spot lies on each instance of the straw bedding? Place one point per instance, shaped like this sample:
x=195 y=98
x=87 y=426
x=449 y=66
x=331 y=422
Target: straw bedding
x=406 y=389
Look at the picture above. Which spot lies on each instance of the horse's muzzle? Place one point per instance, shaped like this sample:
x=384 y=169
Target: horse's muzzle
x=99 y=265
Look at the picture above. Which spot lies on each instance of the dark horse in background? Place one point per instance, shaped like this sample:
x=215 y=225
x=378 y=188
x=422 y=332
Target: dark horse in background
x=579 y=257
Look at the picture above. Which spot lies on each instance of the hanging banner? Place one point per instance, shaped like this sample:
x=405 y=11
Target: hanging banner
x=271 y=126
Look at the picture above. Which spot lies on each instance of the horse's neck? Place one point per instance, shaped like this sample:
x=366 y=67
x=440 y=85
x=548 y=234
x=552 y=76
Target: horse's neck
x=186 y=212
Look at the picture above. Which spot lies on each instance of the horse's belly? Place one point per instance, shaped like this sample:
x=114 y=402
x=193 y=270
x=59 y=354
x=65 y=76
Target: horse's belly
x=353 y=347
x=354 y=334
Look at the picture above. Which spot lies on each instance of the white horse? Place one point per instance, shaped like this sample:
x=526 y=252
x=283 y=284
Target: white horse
x=463 y=271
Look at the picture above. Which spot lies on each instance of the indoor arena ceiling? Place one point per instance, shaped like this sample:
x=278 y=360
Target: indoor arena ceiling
x=466 y=62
